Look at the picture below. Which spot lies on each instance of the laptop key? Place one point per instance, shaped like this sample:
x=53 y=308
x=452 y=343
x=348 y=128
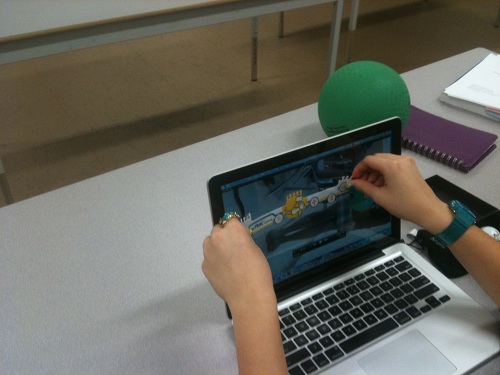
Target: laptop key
x=392 y=271
x=349 y=330
x=324 y=316
x=356 y=313
x=401 y=304
x=339 y=286
x=419 y=282
x=328 y=291
x=425 y=309
x=322 y=304
x=290 y=332
x=346 y=305
x=349 y=281
x=366 y=296
x=372 y=280
x=346 y=318
x=312 y=335
x=368 y=335
x=359 y=325
x=301 y=327
x=324 y=329
x=305 y=302
x=369 y=272
x=288 y=320
x=363 y=285
x=309 y=366
x=311 y=309
x=284 y=312
x=426 y=291
x=317 y=296
x=444 y=298
x=334 y=353
x=326 y=342
x=402 y=317
x=342 y=295
x=370 y=319
x=433 y=302
x=381 y=314
x=377 y=303
x=389 y=263
x=391 y=309
x=382 y=276
x=353 y=289
x=403 y=266
x=296 y=371
x=321 y=360
x=297 y=357
x=376 y=291
x=300 y=340
x=314 y=348
x=367 y=307
x=337 y=336
x=289 y=346
x=335 y=310
x=411 y=299
x=335 y=323
x=313 y=321
x=332 y=299
x=413 y=312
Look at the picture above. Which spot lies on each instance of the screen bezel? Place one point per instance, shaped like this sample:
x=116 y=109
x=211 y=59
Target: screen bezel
x=296 y=283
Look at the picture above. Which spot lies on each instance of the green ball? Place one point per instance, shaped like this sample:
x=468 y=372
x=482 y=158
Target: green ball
x=361 y=93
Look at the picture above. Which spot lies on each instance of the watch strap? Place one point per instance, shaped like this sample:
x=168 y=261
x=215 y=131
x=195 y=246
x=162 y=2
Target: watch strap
x=463 y=219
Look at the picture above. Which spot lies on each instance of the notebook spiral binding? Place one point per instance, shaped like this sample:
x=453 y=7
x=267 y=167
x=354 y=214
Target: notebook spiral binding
x=431 y=153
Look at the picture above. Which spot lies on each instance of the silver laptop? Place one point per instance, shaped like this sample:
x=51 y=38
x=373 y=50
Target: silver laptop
x=353 y=298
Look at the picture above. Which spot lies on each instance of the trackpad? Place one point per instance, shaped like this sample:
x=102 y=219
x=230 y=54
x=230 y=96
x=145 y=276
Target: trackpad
x=411 y=354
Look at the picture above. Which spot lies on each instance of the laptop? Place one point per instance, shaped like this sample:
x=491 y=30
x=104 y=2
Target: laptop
x=353 y=298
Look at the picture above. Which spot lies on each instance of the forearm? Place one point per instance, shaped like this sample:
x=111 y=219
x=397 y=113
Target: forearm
x=475 y=250
x=258 y=340
x=480 y=256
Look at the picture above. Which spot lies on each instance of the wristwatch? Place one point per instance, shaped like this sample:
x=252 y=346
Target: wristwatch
x=463 y=219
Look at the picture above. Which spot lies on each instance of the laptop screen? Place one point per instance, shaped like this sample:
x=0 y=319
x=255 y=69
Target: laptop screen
x=299 y=206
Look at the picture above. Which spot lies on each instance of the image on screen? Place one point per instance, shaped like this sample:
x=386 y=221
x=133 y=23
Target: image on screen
x=305 y=213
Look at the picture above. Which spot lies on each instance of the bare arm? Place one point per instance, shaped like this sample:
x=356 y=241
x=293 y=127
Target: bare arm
x=239 y=273
x=395 y=183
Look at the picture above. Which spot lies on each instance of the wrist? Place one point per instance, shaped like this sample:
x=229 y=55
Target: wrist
x=438 y=218
x=248 y=306
x=463 y=218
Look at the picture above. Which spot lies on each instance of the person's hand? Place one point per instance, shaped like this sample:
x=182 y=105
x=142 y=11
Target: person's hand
x=236 y=267
x=394 y=182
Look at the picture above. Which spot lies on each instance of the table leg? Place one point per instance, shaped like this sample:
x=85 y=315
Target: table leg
x=334 y=36
x=4 y=185
x=281 y=30
x=255 y=34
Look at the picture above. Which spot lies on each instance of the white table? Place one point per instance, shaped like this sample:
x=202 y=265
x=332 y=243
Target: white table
x=104 y=275
x=32 y=28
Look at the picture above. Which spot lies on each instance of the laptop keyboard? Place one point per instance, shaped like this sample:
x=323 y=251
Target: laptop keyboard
x=322 y=329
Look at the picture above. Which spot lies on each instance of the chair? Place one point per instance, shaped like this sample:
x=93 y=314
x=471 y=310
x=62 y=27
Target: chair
x=4 y=185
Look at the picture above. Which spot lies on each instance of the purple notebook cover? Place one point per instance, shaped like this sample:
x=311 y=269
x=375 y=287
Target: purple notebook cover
x=445 y=141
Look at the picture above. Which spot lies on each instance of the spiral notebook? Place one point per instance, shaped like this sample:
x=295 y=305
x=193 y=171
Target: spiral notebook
x=445 y=141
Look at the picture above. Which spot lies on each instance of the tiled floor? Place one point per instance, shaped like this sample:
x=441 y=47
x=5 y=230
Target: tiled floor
x=69 y=117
